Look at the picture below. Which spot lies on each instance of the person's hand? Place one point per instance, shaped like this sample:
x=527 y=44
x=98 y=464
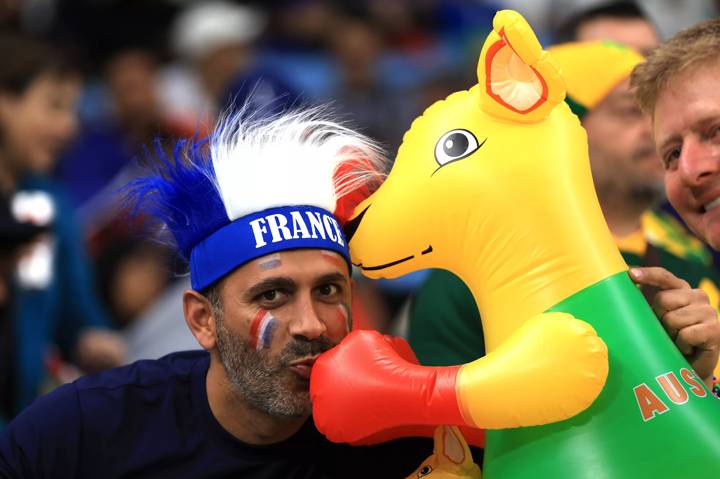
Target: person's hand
x=687 y=316
x=99 y=349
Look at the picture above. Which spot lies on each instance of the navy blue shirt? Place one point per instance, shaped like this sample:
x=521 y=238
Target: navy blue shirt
x=152 y=420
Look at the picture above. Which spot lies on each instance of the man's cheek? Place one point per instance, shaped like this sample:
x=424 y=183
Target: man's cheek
x=262 y=330
x=674 y=193
x=338 y=322
x=711 y=230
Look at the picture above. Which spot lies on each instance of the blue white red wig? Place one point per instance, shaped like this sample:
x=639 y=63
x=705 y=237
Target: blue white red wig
x=257 y=185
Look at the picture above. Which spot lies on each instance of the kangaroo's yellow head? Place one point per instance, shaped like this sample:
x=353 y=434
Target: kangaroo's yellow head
x=489 y=179
x=451 y=458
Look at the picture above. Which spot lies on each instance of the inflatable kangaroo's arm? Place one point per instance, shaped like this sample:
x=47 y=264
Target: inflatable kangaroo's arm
x=548 y=369
x=366 y=391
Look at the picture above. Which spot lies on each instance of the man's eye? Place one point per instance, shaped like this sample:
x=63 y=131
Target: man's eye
x=271 y=295
x=715 y=134
x=328 y=289
x=272 y=298
x=671 y=157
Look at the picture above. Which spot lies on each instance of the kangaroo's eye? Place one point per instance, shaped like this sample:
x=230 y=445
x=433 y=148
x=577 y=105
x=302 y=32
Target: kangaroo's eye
x=424 y=471
x=455 y=145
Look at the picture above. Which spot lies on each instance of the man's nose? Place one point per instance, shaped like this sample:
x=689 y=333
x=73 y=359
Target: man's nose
x=306 y=321
x=698 y=160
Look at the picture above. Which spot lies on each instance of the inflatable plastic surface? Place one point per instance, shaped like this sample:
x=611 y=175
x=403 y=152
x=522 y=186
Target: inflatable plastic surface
x=580 y=379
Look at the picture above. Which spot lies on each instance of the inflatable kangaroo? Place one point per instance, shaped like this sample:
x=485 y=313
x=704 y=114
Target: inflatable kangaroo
x=580 y=379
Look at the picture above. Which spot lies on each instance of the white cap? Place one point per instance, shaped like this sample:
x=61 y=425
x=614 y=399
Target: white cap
x=209 y=25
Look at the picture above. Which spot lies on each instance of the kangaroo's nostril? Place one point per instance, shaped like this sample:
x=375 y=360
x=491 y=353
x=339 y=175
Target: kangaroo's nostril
x=351 y=226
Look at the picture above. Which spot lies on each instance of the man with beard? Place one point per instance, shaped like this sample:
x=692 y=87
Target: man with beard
x=256 y=210
x=444 y=325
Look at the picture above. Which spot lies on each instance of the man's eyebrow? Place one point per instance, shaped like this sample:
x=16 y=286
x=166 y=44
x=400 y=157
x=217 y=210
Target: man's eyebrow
x=332 y=278
x=267 y=284
x=698 y=125
x=706 y=120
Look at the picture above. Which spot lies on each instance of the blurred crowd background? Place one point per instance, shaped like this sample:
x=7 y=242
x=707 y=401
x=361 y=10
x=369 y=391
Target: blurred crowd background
x=91 y=86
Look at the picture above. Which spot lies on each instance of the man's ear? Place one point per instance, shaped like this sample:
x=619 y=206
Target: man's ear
x=200 y=318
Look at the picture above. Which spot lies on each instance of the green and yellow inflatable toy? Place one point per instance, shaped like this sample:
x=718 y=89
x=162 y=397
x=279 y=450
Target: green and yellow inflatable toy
x=580 y=379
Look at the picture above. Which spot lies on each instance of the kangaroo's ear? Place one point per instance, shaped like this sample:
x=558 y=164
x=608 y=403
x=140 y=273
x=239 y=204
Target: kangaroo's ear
x=518 y=80
x=450 y=447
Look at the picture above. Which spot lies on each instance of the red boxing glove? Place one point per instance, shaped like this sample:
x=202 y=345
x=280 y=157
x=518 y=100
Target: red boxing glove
x=403 y=349
x=366 y=385
x=473 y=436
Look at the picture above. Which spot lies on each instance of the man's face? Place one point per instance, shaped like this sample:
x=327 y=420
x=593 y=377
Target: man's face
x=622 y=153
x=619 y=136
x=636 y=33
x=686 y=125
x=279 y=312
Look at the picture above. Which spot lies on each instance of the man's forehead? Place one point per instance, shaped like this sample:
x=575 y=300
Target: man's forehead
x=696 y=89
x=308 y=259
x=300 y=266
x=637 y=33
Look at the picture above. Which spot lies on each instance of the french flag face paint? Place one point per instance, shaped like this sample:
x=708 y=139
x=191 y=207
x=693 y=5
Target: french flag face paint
x=262 y=329
x=270 y=262
x=333 y=258
x=340 y=324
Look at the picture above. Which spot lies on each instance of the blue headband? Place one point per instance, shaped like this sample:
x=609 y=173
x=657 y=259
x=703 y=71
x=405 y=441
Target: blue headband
x=262 y=233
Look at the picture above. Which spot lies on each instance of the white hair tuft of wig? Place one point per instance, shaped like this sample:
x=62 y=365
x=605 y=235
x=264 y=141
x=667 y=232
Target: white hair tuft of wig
x=253 y=161
x=300 y=157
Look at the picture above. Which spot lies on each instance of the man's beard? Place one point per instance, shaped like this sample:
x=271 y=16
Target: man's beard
x=266 y=382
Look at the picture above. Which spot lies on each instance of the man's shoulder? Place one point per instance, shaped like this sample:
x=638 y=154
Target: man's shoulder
x=441 y=279
x=147 y=373
x=392 y=459
x=95 y=399
x=664 y=231
x=444 y=293
x=80 y=426
x=443 y=286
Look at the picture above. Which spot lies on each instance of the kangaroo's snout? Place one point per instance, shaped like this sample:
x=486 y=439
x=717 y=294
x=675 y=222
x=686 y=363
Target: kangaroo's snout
x=351 y=226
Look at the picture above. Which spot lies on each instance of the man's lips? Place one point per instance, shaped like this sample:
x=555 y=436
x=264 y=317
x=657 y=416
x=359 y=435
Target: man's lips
x=711 y=204
x=704 y=197
x=303 y=367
